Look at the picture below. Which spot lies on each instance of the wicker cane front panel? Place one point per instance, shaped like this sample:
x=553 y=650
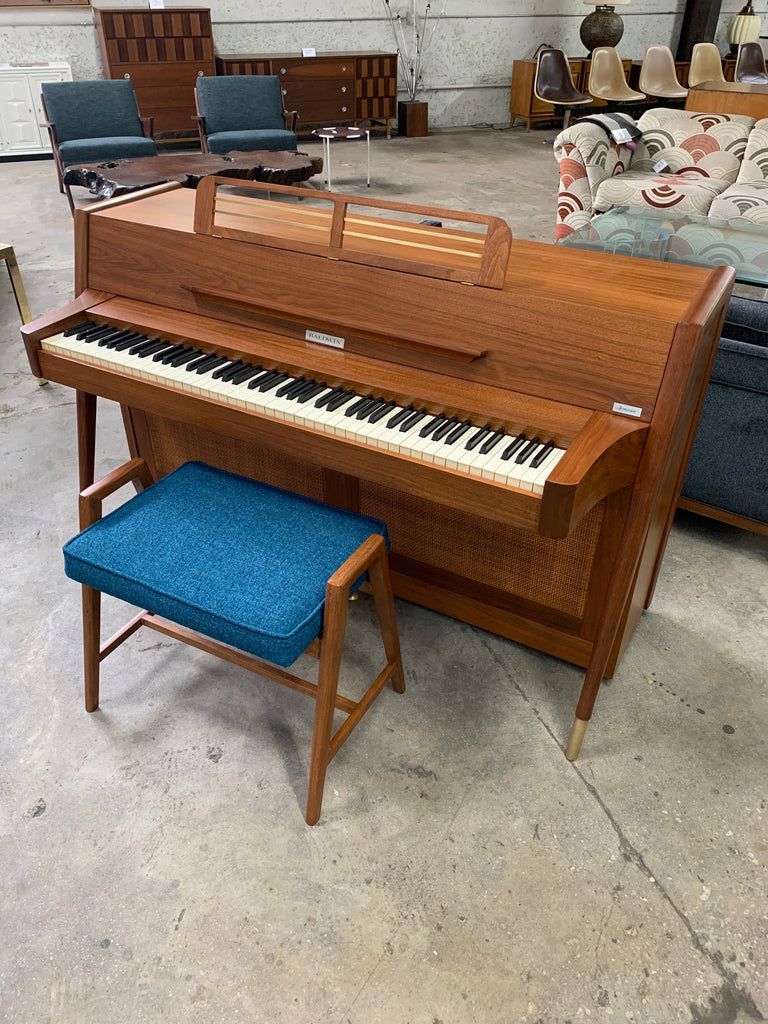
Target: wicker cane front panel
x=174 y=443
x=554 y=573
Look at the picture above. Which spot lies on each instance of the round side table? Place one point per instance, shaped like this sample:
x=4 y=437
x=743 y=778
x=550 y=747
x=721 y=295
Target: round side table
x=327 y=134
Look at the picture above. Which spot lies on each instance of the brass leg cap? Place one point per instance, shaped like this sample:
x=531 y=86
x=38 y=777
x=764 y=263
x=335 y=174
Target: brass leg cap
x=575 y=739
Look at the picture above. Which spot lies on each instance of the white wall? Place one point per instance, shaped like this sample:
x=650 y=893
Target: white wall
x=467 y=69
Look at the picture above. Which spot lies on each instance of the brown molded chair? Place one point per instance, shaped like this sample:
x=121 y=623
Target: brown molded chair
x=658 y=76
x=706 y=65
x=750 y=65
x=606 y=77
x=554 y=84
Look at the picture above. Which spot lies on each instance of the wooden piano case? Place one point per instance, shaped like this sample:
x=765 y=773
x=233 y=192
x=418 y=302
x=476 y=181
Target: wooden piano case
x=606 y=356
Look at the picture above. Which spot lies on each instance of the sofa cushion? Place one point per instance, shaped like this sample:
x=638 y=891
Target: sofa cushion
x=754 y=166
x=709 y=143
x=745 y=200
x=685 y=193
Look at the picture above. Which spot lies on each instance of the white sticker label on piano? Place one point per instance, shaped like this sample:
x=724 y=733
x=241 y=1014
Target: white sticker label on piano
x=324 y=339
x=628 y=410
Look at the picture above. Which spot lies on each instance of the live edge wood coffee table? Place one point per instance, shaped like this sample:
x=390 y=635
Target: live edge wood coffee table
x=117 y=177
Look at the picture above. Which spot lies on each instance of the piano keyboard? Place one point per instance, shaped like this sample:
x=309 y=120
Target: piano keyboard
x=469 y=447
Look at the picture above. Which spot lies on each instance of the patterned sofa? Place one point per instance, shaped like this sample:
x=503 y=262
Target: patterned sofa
x=716 y=169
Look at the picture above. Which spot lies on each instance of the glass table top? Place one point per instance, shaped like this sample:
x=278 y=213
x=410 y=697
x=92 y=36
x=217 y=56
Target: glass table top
x=677 y=238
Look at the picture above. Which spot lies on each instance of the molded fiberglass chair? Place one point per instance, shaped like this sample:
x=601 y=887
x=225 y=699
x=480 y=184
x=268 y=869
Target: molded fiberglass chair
x=706 y=65
x=554 y=83
x=91 y=122
x=607 y=80
x=750 y=65
x=242 y=570
x=658 y=75
x=243 y=112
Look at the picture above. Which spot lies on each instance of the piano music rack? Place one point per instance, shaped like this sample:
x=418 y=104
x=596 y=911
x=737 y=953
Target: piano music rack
x=470 y=257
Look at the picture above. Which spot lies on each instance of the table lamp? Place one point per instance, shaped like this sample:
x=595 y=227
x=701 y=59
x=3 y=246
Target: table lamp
x=603 y=27
x=743 y=27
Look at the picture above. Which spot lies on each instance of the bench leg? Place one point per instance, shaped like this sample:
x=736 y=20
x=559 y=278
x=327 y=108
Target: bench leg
x=91 y=645
x=334 y=624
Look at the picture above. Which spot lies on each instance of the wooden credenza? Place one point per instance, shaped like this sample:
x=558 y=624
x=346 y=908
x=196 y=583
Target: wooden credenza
x=163 y=52
x=330 y=89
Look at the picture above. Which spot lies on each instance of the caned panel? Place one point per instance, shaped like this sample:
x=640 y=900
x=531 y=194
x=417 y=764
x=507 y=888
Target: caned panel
x=175 y=443
x=553 y=573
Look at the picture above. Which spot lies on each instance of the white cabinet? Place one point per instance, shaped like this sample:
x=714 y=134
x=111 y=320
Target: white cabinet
x=21 y=109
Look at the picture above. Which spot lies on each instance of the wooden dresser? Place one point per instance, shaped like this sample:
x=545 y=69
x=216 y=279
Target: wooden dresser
x=163 y=52
x=329 y=89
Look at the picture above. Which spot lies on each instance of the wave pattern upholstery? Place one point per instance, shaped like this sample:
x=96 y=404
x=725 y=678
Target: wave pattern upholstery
x=702 y=154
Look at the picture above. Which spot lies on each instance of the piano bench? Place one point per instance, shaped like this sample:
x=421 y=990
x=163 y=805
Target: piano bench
x=251 y=573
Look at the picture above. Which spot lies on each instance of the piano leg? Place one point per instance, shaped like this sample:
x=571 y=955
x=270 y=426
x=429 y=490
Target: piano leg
x=86 y=437
x=576 y=737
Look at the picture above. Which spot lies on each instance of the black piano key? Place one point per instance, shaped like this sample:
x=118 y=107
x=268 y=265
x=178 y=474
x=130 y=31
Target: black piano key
x=262 y=378
x=365 y=411
x=456 y=434
x=325 y=399
x=412 y=420
x=515 y=446
x=204 y=357
x=94 y=332
x=433 y=424
x=228 y=371
x=116 y=334
x=139 y=345
x=381 y=412
x=444 y=428
x=267 y=385
x=398 y=418
x=189 y=360
x=539 y=457
x=365 y=400
x=78 y=328
x=312 y=392
x=295 y=393
x=246 y=373
x=339 y=400
x=475 y=440
x=168 y=357
x=491 y=443
x=529 y=449
x=155 y=345
x=286 y=387
x=211 y=364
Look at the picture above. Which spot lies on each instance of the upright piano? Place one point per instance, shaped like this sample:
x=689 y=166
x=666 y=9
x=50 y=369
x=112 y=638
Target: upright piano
x=519 y=414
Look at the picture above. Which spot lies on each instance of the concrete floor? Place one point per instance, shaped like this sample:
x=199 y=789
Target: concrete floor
x=154 y=861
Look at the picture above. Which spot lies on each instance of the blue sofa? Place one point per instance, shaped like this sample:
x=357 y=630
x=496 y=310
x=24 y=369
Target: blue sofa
x=728 y=467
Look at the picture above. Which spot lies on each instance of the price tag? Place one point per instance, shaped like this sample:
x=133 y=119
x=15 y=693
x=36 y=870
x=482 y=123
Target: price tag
x=621 y=135
x=660 y=165
x=156 y=4
x=308 y=51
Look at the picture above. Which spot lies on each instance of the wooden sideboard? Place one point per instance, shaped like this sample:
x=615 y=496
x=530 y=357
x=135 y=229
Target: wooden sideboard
x=163 y=52
x=328 y=89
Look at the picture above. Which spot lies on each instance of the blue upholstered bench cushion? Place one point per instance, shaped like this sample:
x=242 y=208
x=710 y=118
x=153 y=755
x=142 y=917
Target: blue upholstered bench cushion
x=91 y=151
x=272 y=139
x=231 y=558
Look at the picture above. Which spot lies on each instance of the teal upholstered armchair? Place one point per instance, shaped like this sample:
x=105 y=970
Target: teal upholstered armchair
x=243 y=112
x=90 y=122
